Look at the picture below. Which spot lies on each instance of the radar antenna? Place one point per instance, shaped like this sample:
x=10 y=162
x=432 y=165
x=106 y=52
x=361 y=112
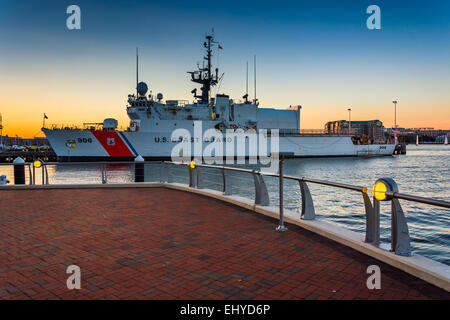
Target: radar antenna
x=204 y=75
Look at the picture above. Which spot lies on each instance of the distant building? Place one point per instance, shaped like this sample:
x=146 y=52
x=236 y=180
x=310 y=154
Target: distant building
x=372 y=128
x=430 y=132
x=37 y=141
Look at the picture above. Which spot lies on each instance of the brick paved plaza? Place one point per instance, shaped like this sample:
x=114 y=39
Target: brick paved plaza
x=157 y=243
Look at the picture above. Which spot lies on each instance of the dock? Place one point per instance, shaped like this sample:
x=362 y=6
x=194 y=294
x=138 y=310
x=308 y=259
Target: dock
x=155 y=242
x=27 y=155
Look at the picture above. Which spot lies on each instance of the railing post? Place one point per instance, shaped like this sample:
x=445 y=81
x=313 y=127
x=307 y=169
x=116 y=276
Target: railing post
x=46 y=172
x=370 y=221
x=308 y=212
x=257 y=188
x=198 y=182
x=29 y=171
x=281 y=157
x=104 y=176
x=191 y=177
x=281 y=226
x=226 y=187
x=169 y=176
x=33 y=182
x=261 y=194
x=42 y=172
x=265 y=201
x=376 y=222
x=400 y=240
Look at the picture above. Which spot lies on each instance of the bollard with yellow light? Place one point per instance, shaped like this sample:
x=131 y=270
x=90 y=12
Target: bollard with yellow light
x=384 y=189
x=37 y=164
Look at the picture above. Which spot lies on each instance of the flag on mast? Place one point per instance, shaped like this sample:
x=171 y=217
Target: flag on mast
x=43 y=120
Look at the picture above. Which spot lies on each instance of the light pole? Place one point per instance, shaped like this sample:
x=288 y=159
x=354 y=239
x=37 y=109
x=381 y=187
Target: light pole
x=349 y=120
x=395 y=113
x=282 y=155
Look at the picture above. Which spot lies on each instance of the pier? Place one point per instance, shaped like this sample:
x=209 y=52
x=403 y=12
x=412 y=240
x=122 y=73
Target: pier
x=27 y=155
x=167 y=240
x=170 y=244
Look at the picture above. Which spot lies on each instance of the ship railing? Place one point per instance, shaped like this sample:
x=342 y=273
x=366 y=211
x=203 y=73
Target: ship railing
x=85 y=126
x=384 y=190
x=311 y=132
x=64 y=127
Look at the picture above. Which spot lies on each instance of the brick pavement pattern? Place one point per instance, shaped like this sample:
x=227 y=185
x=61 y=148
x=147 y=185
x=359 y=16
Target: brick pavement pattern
x=156 y=243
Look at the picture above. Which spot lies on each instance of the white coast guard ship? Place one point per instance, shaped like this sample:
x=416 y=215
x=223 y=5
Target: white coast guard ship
x=152 y=123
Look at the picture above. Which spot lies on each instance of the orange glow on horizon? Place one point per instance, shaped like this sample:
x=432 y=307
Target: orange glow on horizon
x=74 y=101
x=16 y=121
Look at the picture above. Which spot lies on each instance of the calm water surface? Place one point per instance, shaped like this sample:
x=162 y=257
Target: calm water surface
x=423 y=171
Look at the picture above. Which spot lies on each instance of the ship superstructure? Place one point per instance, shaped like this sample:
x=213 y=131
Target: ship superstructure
x=154 y=121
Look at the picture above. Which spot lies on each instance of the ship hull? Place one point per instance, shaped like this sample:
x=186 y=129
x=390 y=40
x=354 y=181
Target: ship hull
x=90 y=145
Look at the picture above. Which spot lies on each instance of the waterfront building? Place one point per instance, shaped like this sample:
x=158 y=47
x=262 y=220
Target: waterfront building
x=36 y=141
x=373 y=129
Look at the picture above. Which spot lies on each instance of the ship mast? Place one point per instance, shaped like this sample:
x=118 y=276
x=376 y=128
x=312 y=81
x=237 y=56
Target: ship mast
x=203 y=75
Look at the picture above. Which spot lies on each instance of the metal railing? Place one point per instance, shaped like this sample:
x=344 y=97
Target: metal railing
x=31 y=172
x=400 y=239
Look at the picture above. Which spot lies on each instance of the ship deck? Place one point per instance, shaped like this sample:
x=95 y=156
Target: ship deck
x=157 y=243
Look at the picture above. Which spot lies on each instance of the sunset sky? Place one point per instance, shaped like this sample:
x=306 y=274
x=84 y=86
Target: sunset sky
x=318 y=54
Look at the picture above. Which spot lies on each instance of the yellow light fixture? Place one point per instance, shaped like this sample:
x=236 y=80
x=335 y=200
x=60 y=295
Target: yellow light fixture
x=192 y=164
x=379 y=191
x=37 y=164
x=382 y=186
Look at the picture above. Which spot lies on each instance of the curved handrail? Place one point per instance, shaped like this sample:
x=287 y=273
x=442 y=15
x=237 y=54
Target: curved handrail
x=399 y=238
x=408 y=197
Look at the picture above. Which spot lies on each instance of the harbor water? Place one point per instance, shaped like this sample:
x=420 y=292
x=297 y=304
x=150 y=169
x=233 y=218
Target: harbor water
x=423 y=171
